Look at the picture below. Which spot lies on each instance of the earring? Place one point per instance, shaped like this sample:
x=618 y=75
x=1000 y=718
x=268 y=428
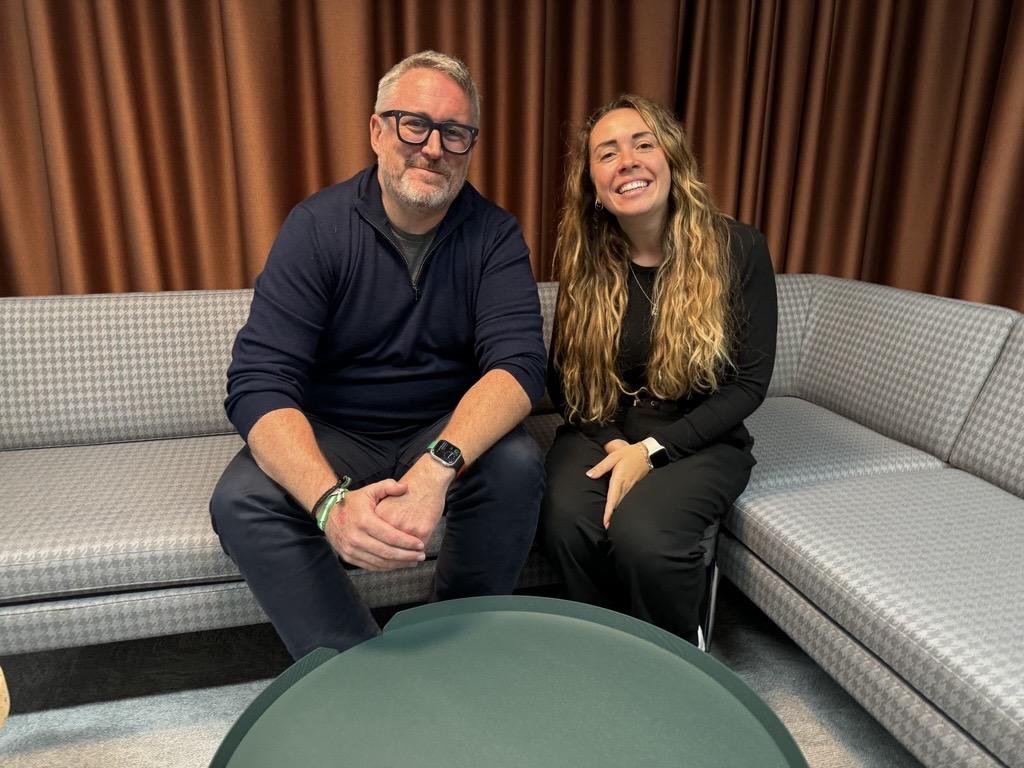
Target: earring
x=598 y=205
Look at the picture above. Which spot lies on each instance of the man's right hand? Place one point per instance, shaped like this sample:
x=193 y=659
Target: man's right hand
x=364 y=539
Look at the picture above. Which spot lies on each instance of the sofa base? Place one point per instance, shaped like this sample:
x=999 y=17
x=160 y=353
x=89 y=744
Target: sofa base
x=48 y=625
x=924 y=730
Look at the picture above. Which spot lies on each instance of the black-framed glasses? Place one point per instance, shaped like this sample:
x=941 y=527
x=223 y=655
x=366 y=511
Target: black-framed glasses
x=414 y=128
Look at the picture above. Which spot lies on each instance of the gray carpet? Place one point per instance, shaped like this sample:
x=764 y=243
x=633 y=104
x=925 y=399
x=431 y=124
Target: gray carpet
x=169 y=701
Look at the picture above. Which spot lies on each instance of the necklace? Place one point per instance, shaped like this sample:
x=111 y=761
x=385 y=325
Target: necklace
x=654 y=306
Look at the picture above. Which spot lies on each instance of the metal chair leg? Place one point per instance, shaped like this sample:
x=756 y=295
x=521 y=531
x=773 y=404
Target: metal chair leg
x=704 y=631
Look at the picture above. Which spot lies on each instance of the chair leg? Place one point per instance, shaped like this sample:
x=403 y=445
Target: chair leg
x=704 y=631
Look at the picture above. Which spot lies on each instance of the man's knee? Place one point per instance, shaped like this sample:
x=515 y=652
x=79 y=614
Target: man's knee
x=242 y=488
x=224 y=503
x=514 y=463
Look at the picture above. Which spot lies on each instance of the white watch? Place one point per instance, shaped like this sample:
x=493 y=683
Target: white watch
x=657 y=456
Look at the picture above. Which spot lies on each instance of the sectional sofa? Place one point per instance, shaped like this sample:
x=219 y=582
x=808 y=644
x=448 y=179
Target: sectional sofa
x=883 y=528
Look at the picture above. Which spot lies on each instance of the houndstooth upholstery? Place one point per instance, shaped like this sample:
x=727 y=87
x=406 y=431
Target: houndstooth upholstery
x=924 y=730
x=905 y=364
x=128 y=616
x=548 y=293
x=908 y=566
x=901 y=582
x=101 y=518
x=128 y=521
x=796 y=295
x=992 y=442
x=797 y=443
x=134 y=615
x=108 y=368
x=541 y=427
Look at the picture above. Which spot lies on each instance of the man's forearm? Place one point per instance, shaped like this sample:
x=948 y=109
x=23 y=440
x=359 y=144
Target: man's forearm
x=486 y=413
x=284 y=446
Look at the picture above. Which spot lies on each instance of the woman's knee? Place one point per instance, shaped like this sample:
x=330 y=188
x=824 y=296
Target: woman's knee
x=644 y=543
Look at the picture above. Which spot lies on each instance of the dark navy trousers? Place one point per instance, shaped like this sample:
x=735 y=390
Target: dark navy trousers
x=304 y=587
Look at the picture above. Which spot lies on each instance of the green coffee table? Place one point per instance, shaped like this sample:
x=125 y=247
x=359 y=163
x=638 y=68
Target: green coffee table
x=509 y=681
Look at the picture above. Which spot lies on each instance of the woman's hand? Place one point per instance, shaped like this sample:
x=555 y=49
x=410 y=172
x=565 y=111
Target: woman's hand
x=628 y=465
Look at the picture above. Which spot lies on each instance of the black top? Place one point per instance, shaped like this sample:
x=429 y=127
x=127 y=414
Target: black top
x=702 y=418
x=635 y=337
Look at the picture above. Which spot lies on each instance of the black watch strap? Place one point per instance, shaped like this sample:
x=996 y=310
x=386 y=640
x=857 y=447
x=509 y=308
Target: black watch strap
x=447 y=454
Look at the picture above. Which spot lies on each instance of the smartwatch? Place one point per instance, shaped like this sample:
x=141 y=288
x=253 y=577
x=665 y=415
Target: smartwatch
x=447 y=455
x=657 y=456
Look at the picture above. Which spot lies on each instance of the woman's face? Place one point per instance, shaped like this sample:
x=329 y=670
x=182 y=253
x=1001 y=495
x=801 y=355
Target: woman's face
x=629 y=170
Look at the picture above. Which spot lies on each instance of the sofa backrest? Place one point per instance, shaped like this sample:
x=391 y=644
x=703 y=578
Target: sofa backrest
x=991 y=444
x=107 y=368
x=548 y=293
x=113 y=367
x=906 y=364
x=796 y=295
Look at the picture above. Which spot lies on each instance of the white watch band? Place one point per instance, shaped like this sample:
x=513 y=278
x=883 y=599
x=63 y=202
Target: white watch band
x=656 y=455
x=652 y=445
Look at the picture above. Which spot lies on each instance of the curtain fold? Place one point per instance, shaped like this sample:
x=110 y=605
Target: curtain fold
x=158 y=146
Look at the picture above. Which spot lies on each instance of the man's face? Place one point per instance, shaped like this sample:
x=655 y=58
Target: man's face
x=421 y=179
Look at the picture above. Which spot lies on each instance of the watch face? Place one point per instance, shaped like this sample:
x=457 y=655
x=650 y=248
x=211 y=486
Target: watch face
x=659 y=458
x=446 y=453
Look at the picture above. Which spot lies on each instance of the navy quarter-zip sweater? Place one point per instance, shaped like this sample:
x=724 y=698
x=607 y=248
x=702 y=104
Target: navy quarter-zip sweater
x=338 y=329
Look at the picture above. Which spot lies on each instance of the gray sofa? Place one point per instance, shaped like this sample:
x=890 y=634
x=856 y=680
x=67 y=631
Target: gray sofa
x=112 y=436
x=882 y=528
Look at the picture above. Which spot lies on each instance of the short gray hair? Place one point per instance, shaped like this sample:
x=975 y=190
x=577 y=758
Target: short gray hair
x=439 y=62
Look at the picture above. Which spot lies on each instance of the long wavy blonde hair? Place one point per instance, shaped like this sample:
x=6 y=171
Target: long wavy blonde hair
x=692 y=336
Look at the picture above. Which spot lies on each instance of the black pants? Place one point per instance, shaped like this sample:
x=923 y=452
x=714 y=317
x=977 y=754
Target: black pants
x=491 y=518
x=649 y=563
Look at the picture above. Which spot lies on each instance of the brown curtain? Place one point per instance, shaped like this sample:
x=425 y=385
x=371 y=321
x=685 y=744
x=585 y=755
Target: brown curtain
x=158 y=145
x=881 y=140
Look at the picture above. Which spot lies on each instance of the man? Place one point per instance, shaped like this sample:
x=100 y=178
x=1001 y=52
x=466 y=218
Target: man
x=395 y=332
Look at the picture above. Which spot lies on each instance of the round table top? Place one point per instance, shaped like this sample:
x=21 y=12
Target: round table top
x=510 y=681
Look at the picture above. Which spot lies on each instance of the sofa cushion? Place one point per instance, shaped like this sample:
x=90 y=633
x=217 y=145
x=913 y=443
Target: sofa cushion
x=905 y=364
x=992 y=442
x=796 y=295
x=925 y=570
x=76 y=370
x=797 y=442
x=107 y=518
x=104 y=518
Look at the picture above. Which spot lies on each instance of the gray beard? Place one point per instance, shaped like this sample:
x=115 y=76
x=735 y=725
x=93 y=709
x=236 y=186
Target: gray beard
x=415 y=197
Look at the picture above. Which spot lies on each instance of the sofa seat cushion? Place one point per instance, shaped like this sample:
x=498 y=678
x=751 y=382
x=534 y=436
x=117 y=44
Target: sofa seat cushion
x=797 y=442
x=102 y=518
x=925 y=570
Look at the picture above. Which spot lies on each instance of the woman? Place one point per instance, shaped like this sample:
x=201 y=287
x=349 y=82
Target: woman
x=664 y=342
